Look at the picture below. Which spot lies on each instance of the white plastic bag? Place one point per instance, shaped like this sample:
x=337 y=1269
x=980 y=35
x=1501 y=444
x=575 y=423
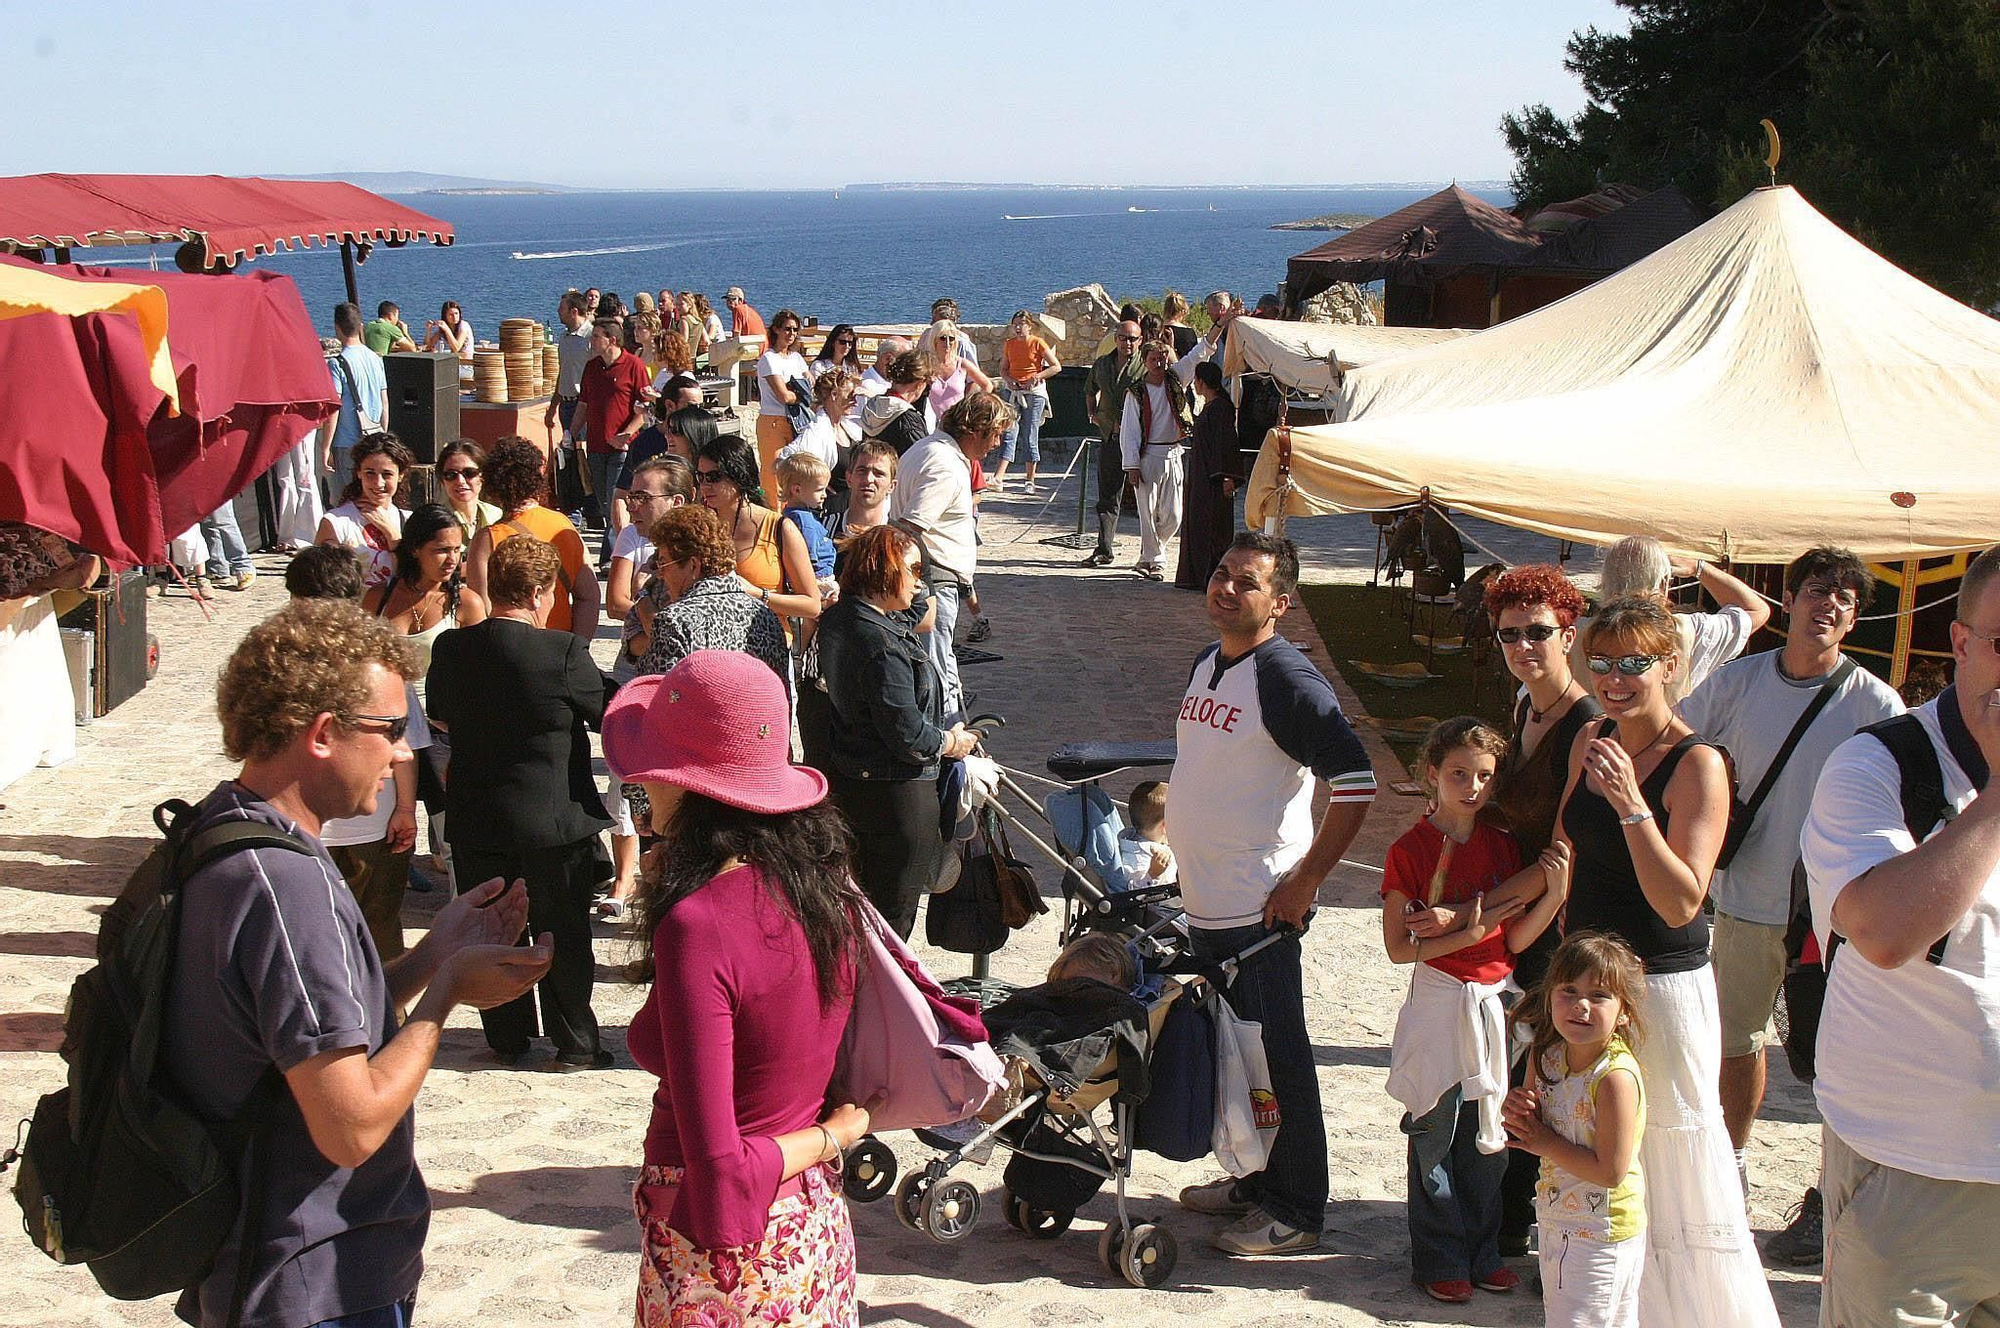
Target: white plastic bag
x=1246 y=1111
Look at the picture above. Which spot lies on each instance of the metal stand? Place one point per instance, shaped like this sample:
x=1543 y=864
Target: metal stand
x=1077 y=539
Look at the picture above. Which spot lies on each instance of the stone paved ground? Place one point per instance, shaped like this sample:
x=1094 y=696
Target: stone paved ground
x=530 y=1172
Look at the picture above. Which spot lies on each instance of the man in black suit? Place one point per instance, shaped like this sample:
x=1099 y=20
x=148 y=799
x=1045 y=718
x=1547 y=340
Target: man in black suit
x=518 y=700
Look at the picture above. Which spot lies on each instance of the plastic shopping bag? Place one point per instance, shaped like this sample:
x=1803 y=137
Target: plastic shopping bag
x=1246 y=1111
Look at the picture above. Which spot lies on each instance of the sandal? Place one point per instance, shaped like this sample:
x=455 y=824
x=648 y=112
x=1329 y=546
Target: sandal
x=611 y=910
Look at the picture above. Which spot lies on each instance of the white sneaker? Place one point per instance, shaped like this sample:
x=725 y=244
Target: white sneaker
x=1260 y=1233
x=1217 y=1198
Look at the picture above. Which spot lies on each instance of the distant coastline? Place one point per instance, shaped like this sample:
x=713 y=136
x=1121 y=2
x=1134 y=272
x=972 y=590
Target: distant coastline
x=1332 y=221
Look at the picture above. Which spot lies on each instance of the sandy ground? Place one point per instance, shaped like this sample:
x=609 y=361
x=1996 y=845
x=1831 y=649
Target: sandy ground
x=530 y=1172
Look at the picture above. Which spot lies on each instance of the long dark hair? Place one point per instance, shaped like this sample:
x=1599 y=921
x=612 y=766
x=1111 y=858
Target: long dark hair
x=853 y=360
x=694 y=423
x=735 y=459
x=804 y=857
x=385 y=444
x=424 y=525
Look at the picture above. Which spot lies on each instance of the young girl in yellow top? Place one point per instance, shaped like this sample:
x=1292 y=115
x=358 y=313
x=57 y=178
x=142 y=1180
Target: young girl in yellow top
x=1582 y=1113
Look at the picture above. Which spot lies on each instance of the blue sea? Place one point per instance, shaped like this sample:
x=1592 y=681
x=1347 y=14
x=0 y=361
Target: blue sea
x=859 y=256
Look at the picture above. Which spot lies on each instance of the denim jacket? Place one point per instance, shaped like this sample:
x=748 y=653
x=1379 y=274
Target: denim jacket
x=883 y=689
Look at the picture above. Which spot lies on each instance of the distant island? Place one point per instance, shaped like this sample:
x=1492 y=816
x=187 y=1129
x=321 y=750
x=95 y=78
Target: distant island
x=426 y=182
x=1332 y=221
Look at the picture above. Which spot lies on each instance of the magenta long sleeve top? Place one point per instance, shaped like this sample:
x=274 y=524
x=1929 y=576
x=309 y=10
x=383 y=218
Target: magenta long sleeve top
x=743 y=1049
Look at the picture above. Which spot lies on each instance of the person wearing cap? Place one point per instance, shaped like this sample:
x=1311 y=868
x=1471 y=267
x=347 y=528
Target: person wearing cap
x=888 y=704
x=744 y=321
x=755 y=927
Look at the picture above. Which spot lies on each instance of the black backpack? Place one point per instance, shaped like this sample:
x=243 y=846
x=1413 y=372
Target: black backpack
x=1924 y=806
x=117 y=1172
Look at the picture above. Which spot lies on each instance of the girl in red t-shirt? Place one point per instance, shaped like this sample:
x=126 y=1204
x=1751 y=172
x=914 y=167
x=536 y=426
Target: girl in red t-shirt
x=1456 y=900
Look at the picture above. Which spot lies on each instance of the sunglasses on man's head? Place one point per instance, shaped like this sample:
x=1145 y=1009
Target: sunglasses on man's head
x=1508 y=636
x=1629 y=665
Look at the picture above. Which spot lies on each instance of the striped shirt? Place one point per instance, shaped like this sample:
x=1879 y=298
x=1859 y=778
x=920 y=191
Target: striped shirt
x=1251 y=735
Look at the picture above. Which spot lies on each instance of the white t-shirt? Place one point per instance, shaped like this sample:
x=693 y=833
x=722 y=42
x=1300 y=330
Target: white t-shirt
x=873 y=384
x=783 y=366
x=1909 y=1058
x=1750 y=707
x=375 y=826
x=633 y=544
x=823 y=438
x=711 y=327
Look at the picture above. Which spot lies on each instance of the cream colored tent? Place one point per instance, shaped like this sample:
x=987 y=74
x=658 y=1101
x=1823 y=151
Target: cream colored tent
x=1760 y=385
x=1314 y=357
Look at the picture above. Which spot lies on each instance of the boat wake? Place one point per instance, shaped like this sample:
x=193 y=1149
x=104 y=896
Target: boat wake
x=1049 y=216
x=596 y=253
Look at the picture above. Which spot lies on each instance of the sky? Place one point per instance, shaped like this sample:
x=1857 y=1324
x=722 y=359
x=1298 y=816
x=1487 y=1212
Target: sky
x=770 y=94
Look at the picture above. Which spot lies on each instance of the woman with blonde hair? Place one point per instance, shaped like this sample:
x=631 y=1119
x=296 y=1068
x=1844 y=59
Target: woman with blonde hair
x=1640 y=565
x=1644 y=814
x=952 y=375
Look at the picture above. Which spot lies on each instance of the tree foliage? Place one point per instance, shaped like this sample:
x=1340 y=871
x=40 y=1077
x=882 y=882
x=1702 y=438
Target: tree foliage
x=1890 y=111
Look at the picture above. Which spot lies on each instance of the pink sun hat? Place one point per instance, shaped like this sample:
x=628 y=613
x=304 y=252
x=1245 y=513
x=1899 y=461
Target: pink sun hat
x=717 y=724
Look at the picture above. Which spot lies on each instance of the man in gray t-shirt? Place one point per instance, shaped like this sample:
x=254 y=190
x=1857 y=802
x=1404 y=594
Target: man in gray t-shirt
x=276 y=973
x=1750 y=706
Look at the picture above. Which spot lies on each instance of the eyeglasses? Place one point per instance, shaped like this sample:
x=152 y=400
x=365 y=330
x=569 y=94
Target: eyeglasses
x=467 y=473
x=710 y=477
x=1838 y=596
x=1508 y=636
x=398 y=725
x=1990 y=638
x=641 y=496
x=843 y=341
x=1629 y=665
x=787 y=327
x=947 y=341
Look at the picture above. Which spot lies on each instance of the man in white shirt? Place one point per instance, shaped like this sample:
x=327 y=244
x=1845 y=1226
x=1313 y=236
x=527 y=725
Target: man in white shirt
x=1152 y=435
x=572 y=353
x=875 y=381
x=1751 y=706
x=1909 y=1045
x=933 y=501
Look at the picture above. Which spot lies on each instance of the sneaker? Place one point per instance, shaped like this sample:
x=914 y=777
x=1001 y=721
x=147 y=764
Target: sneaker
x=1218 y=1198
x=1500 y=1281
x=1802 y=1244
x=243 y=579
x=1454 y=1292
x=1260 y=1233
x=1098 y=559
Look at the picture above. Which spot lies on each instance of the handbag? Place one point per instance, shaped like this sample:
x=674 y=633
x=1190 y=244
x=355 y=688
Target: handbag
x=914 y=1056
x=1021 y=899
x=967 y=919
x=1743 y=814
x=1246 y=1110
x=1177 y=1120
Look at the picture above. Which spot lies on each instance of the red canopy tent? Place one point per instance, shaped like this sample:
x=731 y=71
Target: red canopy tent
x=87 y=449
x=235 y=218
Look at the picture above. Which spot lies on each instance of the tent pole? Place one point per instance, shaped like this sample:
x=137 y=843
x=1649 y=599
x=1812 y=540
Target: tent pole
x=347 y=270
x=1906 y=604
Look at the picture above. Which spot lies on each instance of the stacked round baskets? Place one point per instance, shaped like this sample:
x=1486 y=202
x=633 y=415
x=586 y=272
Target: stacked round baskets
x=489 y=376
x=551 y=366
x=521 y=347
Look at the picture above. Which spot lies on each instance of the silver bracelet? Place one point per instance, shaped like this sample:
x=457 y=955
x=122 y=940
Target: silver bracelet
x=832 y=1156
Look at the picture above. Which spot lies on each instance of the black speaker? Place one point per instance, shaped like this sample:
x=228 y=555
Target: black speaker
x=423 y=401
x=123 y=651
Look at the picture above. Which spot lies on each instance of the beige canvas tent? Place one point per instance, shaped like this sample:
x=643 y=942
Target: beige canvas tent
x=1314 y=357
x=1760 y=385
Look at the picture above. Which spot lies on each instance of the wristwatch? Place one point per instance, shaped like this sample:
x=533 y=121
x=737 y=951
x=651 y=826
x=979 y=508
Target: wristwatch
x=765 y=591
x=1636 y=818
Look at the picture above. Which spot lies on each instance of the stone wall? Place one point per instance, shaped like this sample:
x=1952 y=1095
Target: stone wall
x=1341 y=302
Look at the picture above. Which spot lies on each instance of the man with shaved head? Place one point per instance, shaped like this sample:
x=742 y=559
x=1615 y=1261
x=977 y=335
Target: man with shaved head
x=876 y=380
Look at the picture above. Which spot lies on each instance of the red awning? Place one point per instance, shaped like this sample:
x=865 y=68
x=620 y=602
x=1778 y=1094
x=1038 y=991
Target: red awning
x=234 y=217
x=84 y=437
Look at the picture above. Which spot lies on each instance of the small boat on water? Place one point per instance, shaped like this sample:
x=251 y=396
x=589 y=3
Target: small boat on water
x=1140 y=209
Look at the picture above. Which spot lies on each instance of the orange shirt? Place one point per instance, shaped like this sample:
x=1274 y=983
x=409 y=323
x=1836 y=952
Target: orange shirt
x=553 y=528
x=1026 y=357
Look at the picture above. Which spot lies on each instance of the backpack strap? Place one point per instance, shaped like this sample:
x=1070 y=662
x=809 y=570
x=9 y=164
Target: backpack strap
x=1821 y=698
x=1921 y=779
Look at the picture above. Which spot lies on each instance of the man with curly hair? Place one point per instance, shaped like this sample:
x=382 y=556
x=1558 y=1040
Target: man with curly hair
x=276 y=978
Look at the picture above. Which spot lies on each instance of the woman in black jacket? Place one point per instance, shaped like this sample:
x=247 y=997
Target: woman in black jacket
x=887 y=704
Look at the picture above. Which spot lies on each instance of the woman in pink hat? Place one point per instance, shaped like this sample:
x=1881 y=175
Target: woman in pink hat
x=755 y=937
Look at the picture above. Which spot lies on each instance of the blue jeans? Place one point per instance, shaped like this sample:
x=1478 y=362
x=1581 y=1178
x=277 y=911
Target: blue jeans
x=1033 y=406
x=223 y=539
x=388 y=1316
x=1454 y=1194
x=604 y=468
x=1270 y=990
x=938 y=642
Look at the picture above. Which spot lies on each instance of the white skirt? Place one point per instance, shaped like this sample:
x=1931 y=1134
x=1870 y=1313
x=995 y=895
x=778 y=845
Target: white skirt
x=1702 y=1269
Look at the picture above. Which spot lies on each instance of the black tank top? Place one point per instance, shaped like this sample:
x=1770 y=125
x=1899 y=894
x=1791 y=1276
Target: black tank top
x=1605 y=894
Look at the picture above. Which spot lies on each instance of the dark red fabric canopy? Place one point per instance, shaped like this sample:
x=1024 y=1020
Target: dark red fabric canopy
x=86 y=448
x=235 y=217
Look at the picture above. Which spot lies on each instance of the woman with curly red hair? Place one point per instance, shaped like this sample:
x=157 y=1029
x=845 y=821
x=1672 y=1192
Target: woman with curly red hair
x=1534 y=611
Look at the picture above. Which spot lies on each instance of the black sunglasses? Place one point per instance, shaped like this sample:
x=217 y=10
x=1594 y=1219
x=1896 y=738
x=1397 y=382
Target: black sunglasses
x=710 y=477
x=1533 y=631
x=467 y=473
x=1629 y=665
x=398 y=724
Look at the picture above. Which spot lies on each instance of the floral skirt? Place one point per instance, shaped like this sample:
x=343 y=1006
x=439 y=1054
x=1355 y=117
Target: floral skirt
x=801 y=1273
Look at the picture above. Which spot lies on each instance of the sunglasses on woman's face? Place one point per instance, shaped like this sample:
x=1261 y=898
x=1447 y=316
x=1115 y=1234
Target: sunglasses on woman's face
x=1629 y=665
x=468 y=474
x=1508 y=636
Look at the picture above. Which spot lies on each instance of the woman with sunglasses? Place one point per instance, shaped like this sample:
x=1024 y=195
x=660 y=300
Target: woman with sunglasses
x=1534 y=611
x=1644 y=815
x=841 y=350
x=778 y=368
x=458 y=470
x=771 y=555
x=952 y=375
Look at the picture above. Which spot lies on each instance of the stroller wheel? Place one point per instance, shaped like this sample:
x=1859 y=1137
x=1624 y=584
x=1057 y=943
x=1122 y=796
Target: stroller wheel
x=910 y=1199
x=1041 y=1223
x=1111 y=1249
x=869 y=1172
x=950 y=1210
x=1149 y=1255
